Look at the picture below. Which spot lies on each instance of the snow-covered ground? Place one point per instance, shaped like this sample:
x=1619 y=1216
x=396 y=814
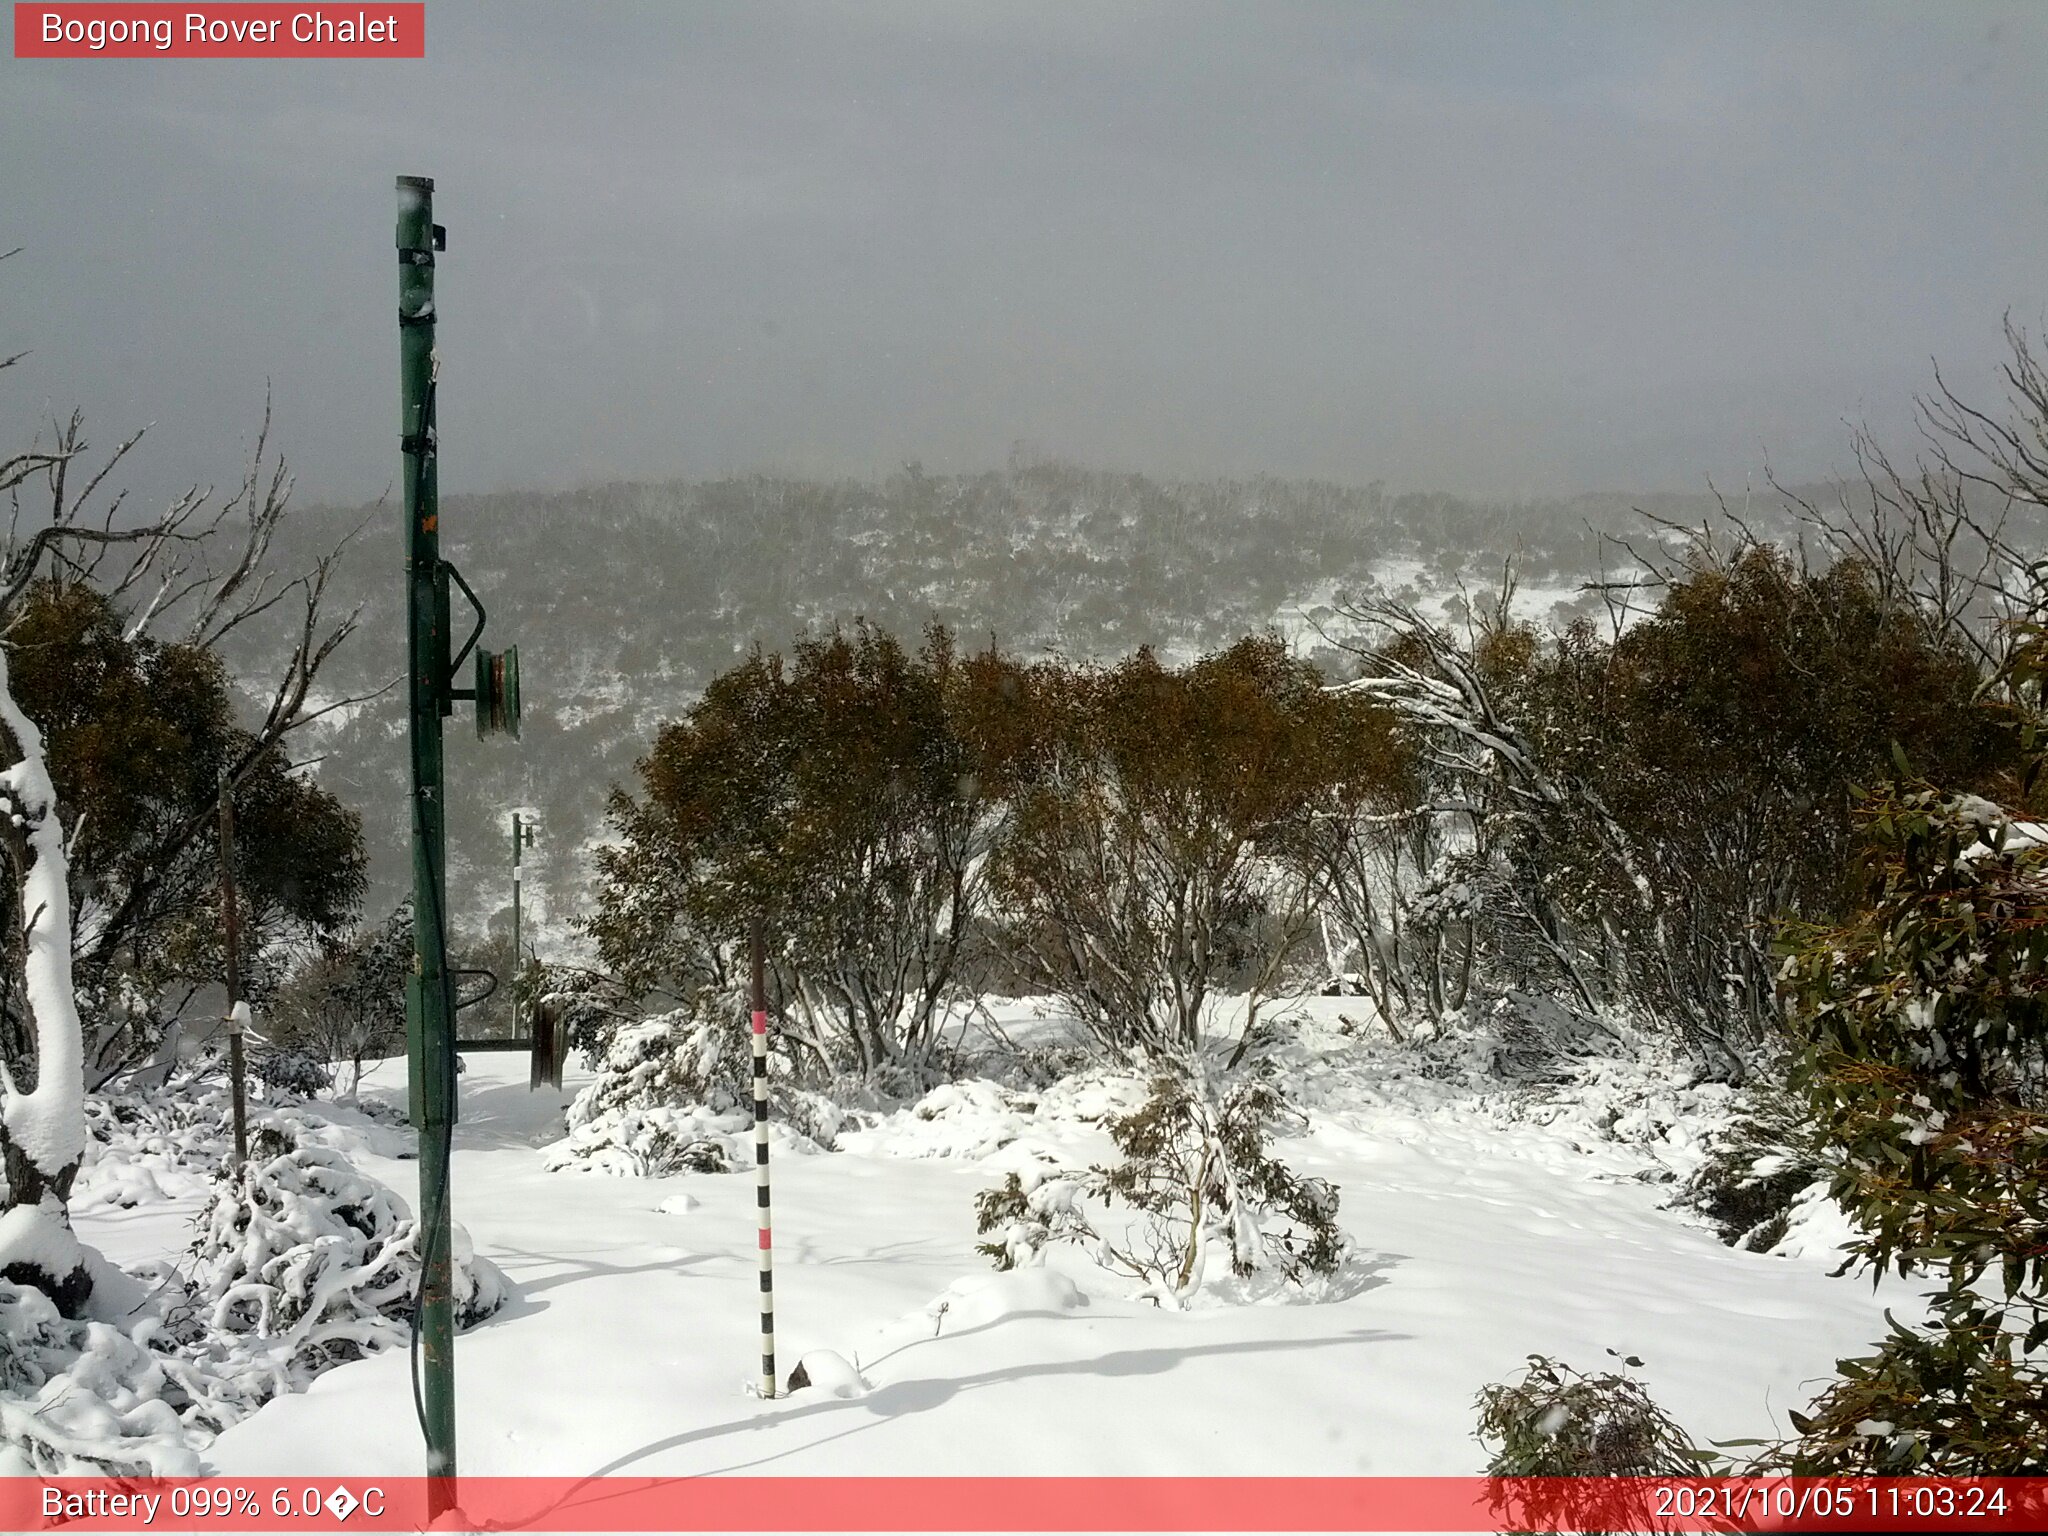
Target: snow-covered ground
x=1486 y=1229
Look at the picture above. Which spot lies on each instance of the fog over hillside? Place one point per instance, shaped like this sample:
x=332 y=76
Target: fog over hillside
x=625 y=599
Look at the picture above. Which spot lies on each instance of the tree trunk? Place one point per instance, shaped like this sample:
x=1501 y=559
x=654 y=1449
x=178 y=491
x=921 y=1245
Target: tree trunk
x=42 y=1126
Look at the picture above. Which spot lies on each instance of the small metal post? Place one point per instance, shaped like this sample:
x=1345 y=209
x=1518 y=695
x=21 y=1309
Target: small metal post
x=760 y=989
x=522 y=838
x=231 y=937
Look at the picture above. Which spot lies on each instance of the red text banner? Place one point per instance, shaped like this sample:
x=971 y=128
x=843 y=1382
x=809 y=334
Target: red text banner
x=263 y=31
x=1150 y=1504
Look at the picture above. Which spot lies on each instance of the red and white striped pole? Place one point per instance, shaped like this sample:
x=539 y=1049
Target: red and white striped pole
x=761 y=1162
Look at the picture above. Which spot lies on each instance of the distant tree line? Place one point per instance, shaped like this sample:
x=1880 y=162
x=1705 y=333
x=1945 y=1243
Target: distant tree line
x=627 y=599
x=912 y=827
x=1477 y=820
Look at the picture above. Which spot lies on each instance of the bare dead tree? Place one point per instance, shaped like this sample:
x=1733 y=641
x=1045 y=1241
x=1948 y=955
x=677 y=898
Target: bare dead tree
x=1953 y=537
x=194 y=573
x=189 y=574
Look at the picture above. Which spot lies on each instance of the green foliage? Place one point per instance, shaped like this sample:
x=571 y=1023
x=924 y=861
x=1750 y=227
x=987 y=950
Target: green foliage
x=1558 y=1422
x=1923 y=1033
x=1130 y=839
x=1924 y=1043
x=1954 y=1400
x=1199 y=1170
x=836 y=801
x=1554 y=1424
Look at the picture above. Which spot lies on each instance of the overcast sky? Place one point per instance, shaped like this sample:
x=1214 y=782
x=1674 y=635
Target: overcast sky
x=1502 y=249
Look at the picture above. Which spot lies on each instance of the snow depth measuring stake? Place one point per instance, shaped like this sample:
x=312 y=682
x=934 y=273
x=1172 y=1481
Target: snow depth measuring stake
x=760 y=988
x=430 y=1002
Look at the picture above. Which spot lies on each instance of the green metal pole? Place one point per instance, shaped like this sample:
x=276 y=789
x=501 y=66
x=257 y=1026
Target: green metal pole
x=431 y=1035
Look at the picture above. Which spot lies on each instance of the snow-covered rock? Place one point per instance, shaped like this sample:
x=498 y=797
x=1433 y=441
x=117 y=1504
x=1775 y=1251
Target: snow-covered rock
x=827 y=1372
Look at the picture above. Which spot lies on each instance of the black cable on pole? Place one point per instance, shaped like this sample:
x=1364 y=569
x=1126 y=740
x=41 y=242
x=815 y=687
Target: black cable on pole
x=440 y=1205
x=433 y=1215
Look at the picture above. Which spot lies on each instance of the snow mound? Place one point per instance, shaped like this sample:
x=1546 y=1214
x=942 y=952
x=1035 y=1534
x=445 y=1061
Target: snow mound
x=964 y=1120
x=84 y=1397
x=664 y=1140
x=979 y=1300
x=1816 y=1227
x=980 y=1118
x=827 y=1372
x=1092 y=1097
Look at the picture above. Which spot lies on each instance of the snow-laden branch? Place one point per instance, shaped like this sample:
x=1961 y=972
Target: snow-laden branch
x=46 y=1123
x=42 y=1129
x=1450 y=699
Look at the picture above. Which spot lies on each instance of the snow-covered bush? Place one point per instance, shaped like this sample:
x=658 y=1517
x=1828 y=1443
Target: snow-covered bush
x=1557 y=1422
x=697 y=1054
x=674 y=1094
x=82 y=1397
x=1198 y=1170
x=1922 y=1026
x=587 y=1006
x=815 y=1116
x=144 y=1147
x=1759 y=1163
x=302 y=1262
x=656 y=1142
x=292 y=1072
